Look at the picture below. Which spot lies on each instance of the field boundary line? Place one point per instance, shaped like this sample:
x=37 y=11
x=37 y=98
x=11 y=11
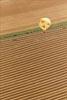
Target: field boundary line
x=32 y=30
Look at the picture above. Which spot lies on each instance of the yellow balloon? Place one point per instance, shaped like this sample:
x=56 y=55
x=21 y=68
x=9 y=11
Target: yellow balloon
x=44 y=23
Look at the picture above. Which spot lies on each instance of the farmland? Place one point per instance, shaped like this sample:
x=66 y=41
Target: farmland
x=20 y=15
x=33 y=64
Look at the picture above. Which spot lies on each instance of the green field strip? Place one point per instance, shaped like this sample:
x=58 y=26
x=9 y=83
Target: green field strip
x=53 y=27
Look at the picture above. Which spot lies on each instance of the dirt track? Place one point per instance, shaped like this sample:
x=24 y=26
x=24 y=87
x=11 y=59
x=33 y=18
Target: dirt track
x=34 y=67
x=18 y=15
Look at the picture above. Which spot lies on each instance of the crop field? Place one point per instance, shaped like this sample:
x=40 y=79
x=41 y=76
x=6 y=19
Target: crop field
x=33 y=66
x=18 y=15
x=33 y=63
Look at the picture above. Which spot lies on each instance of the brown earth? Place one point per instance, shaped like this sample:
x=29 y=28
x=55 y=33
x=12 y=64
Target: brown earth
x=34 y=66
x=16 y=15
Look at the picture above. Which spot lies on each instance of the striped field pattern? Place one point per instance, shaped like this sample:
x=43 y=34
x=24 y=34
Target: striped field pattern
x=34 y=66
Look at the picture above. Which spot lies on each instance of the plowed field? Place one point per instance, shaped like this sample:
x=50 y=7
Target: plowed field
x=34 y=66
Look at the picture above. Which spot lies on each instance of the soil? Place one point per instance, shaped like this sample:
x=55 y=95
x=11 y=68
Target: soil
x=34 y=66
x=17 y=15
